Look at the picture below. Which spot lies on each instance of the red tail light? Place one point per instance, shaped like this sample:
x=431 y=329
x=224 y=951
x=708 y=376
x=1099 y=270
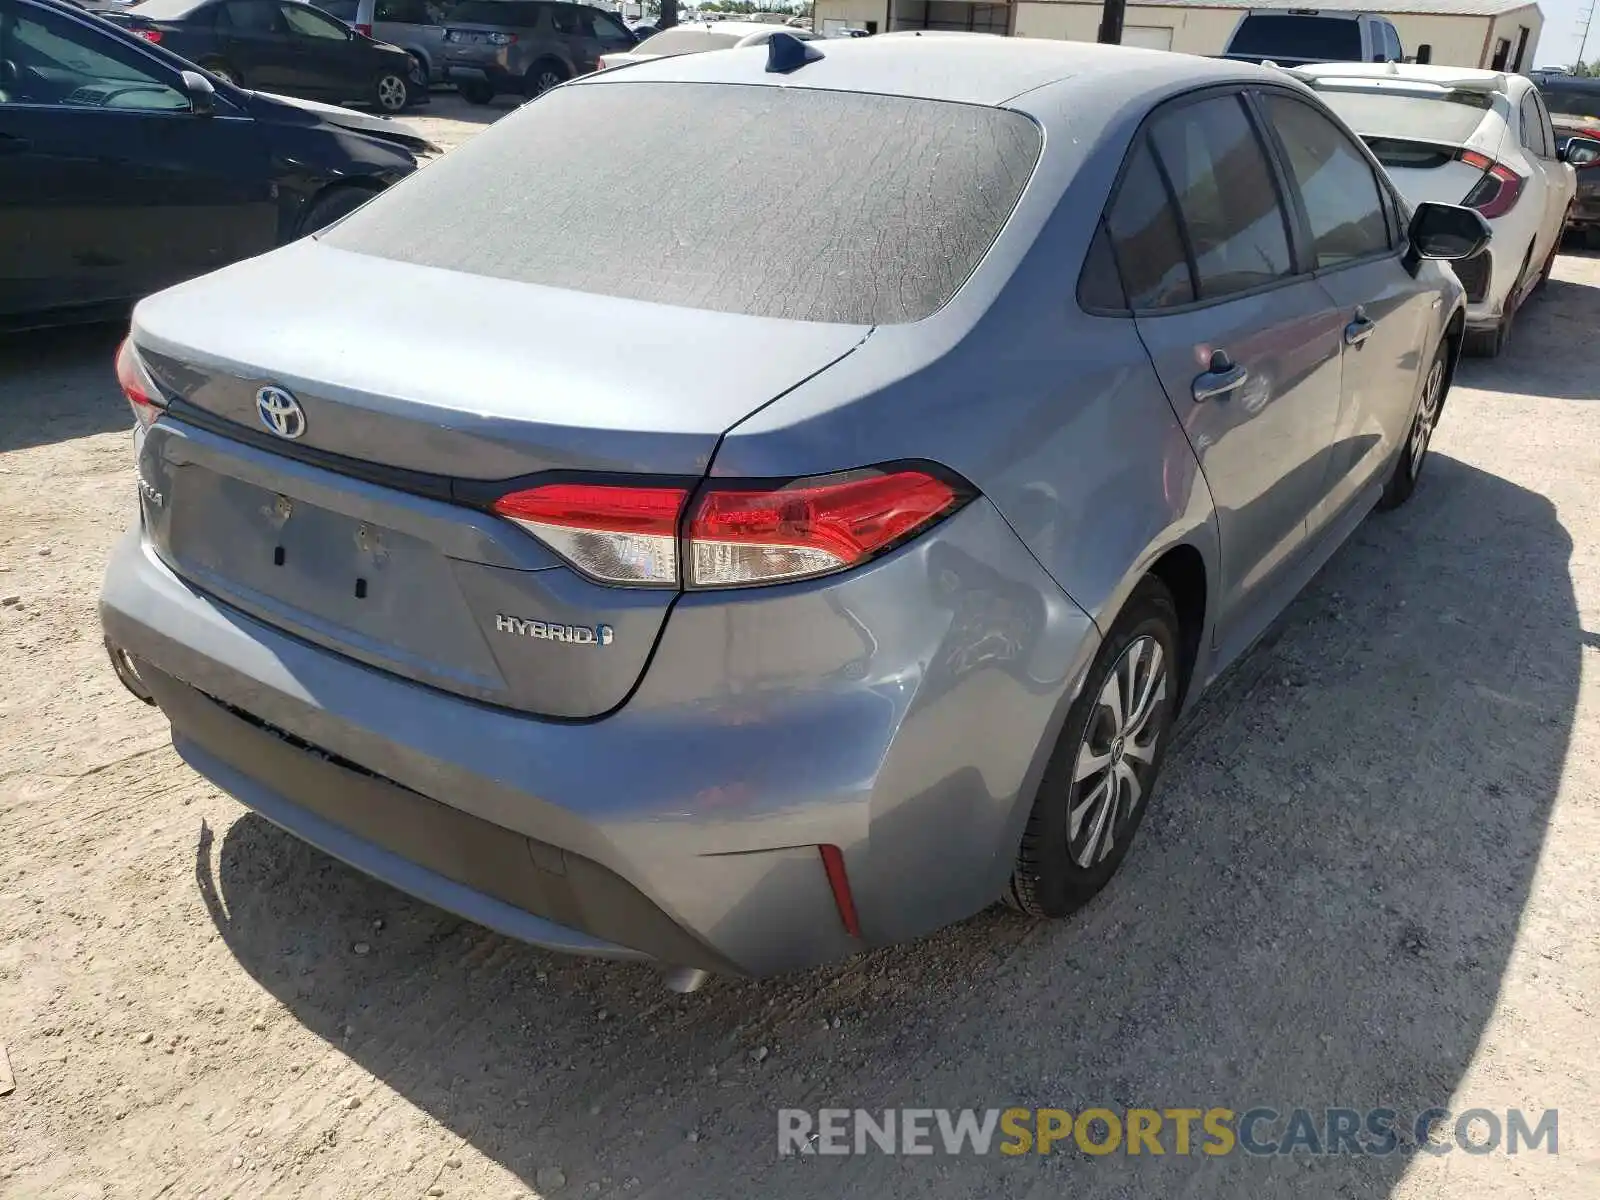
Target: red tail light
x=616 y=534
x=143 y=395
x=736 y=537
x=364 y=29
x=149 y=35
x=743 y=537
x=1497 y=191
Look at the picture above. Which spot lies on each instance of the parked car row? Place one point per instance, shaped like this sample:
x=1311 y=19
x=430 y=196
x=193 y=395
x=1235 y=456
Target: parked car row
x=125 y=169
x=1479 y=138
x=1072 y=365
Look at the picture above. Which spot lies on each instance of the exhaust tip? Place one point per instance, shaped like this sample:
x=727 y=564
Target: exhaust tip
x=122 y=664
x=684 y=980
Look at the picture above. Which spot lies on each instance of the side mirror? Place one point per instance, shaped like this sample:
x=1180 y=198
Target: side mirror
x=1448 y=232
x=1580 y=151
x=202 y=96
x=1424 y=54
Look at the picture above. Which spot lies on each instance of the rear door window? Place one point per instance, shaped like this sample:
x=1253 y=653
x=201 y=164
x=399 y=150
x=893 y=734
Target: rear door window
x=406 y=12
x=803 y=204
x=1343 y=204
x=1232 y=216
x=1532 y=127
x=1145 y=237
x=251 y=17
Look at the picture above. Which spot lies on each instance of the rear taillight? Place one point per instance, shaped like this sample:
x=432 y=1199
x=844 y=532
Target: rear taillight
x=149 y=35
x=738 y=538
x=143 y=395
x=1497 y=191
x=616 y=534
x=364 y=30
x=600 y=63
x=637 y=535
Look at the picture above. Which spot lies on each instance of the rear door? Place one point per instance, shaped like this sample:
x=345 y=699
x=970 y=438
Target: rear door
x=109 y=186
x=1351 y=230
x=254 y=42
x=1556 y=179
x=1246 y=344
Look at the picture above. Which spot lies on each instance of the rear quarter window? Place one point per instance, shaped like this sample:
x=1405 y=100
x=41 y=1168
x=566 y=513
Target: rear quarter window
x=800 y=204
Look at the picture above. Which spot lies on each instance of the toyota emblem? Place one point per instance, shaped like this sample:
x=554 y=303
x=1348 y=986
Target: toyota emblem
x=281 y=412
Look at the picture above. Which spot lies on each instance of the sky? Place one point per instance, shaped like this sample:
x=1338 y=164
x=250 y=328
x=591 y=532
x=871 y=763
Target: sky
x=1558 y=44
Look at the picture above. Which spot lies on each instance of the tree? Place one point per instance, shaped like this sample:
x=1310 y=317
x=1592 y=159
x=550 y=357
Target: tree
x=669 y=14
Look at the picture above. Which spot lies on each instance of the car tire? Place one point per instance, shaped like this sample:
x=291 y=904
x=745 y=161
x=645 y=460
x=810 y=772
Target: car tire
x=391 y=92
x=475 y=93
x=542 y=76
x=223 y=71
x=1063 y=863
x=1402 y=481
x=331 y=205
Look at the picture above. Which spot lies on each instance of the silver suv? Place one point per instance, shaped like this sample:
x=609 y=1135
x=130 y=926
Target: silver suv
x=525 y=47
x=416 y=26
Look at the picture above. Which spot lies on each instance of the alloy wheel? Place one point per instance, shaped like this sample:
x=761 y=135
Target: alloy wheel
x=391 y=93
x=1427 y=415
x=547 y=80
x=1116 y=759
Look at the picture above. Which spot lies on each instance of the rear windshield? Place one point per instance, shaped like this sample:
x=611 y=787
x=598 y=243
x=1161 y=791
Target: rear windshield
x=1318 y=39
x=687 y=41
x=494 y=12
x=1450 y=117
x=776 y=202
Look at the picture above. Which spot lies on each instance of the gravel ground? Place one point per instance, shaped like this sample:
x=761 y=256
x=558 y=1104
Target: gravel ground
x=1368 y=879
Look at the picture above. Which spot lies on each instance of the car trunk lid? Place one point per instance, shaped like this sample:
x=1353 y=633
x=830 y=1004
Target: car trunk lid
x=425 y=394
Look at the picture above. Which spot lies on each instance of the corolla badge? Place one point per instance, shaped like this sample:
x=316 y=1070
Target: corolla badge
x=551 y=631
x=280 y=412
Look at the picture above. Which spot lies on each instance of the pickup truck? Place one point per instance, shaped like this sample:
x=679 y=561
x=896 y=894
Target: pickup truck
x=1297 y=37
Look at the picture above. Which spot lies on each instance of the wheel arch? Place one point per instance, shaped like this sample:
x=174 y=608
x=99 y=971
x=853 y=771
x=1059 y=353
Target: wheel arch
x=367 y=188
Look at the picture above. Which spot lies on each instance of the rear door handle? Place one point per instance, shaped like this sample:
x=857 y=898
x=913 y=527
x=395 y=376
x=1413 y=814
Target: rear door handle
x=14 y=145
x=1359 y=329
x=1224 y=378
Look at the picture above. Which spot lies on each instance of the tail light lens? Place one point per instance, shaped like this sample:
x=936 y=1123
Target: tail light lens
x=1497 y=191
x=735 y=537
x=364 y=30
x=502 y=39
x=625 y=535
x=149 y=35
x=143 y=395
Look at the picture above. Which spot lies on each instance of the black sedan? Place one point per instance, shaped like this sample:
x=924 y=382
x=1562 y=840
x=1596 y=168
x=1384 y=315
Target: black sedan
x=280 y=46
x=124 y=170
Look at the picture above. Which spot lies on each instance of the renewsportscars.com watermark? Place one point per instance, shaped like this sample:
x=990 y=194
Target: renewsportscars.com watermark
x=1179 y=1131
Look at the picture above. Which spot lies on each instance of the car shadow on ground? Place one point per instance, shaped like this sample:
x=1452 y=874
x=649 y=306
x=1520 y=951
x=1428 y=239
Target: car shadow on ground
x=43 y=392
x=1319 y=914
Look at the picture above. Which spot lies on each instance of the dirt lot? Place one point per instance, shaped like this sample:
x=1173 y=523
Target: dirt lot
x=1369 y=879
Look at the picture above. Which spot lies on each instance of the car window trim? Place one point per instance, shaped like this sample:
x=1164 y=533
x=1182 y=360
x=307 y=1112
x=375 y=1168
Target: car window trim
x=1398 y=240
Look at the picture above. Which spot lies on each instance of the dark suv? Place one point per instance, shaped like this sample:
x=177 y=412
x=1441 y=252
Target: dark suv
x=525 y=47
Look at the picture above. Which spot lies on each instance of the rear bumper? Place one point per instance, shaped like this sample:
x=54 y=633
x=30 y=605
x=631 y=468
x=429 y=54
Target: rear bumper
x=494 y=75
x=902 y=713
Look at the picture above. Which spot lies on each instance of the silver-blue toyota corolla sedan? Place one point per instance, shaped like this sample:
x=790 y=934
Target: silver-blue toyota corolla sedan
x=981 y=400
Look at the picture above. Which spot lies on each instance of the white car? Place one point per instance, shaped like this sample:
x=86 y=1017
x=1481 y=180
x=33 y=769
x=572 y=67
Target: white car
x=1461 y=136
x=698 y=38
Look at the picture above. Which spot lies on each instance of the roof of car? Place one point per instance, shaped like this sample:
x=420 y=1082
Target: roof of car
x=973 y=70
